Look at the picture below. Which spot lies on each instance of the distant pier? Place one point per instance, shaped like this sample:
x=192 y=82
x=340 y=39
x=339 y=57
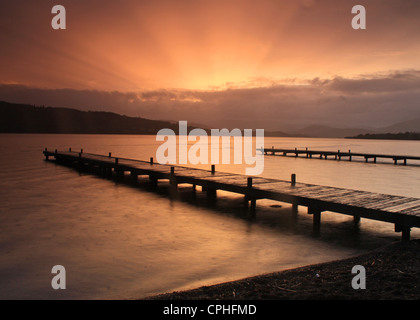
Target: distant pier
x=338 y=155
x=403 y=212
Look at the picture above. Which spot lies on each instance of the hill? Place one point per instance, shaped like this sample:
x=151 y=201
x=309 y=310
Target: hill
x=21 y=118
x=412 y=125
x=329 y=132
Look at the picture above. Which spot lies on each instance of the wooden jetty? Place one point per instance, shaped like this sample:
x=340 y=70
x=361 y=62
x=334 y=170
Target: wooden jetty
x=338 y=155
x=403 y=212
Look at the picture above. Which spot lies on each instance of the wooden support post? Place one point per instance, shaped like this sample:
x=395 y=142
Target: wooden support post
x=153 y=181
x=316 y=216
x=133 y=176
x=253 y=211
x=317 y=221
x=249 y=182
x=293 y=179
x=246 y=197
x=172 y=181
x=151 y=160
x=253 y=200
x=109 y=155
x=211 y=194
x=194 y=191
x=405 y=236
x=295 y=208
x=213 y=169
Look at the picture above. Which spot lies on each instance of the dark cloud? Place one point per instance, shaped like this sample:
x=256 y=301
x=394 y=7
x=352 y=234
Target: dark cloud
x=398 y=81
x=373 y=101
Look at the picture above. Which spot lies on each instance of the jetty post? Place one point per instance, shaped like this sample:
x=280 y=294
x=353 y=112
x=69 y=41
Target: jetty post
x=295 y=206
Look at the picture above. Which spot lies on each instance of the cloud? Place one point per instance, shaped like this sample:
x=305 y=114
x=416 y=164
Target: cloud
x=398 y=81
x=366 y=101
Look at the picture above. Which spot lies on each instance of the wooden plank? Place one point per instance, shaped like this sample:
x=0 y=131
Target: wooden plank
x=411 y=202
x=333 y=196
x=227 y=179
x=387 y=201
x=370 y=200
x=280 y=186
x=198 y=174
x=394 y=202
x=318 y=192
x=305 y=192
x=411 y=211
x=358 y=198
x=351 y=197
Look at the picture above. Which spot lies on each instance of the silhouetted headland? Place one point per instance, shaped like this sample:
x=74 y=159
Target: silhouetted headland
x=23 y=118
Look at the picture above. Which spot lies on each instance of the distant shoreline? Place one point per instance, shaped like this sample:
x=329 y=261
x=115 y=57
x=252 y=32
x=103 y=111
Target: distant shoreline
x=392 y=273
x=25 y=118
x=268 y=135
x=388 y=136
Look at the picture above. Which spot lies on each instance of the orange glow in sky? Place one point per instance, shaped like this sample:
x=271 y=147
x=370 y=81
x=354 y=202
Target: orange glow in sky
x=142 y=45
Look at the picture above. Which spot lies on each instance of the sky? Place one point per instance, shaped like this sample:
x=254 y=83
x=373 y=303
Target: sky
x=273 y=64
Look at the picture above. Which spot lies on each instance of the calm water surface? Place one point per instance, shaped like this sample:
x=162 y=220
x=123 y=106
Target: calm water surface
x=118 y=241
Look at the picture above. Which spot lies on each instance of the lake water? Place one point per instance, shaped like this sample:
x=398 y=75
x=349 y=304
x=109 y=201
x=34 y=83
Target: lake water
x=119 y=241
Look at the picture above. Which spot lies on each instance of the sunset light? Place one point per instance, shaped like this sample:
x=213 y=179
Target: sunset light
x=211 y=150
